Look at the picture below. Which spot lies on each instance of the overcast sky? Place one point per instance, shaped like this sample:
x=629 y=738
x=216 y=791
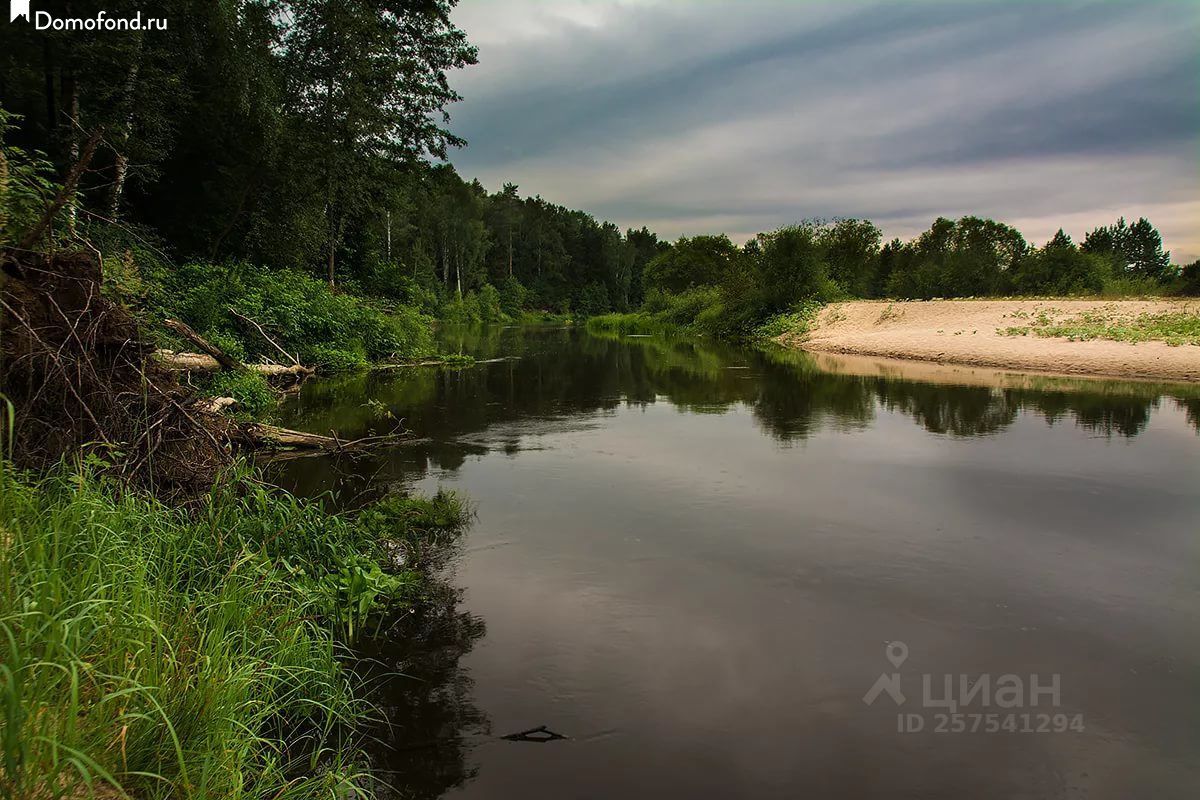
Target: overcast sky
x=739 y=116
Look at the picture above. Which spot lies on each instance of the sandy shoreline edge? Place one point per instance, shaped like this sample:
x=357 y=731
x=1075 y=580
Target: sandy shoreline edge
x=968 y=332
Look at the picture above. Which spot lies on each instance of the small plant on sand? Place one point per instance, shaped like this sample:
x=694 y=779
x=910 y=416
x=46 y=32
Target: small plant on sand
x=1174 y=328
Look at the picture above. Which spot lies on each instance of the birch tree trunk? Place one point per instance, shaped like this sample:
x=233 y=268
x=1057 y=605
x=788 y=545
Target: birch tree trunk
x=71 y=90
x=121 y=166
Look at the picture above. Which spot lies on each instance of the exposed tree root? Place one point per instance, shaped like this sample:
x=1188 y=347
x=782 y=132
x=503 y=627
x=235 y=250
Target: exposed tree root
x=81 y=378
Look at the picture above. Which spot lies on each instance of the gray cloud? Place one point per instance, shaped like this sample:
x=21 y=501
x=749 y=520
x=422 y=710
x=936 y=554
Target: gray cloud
x=694 y=117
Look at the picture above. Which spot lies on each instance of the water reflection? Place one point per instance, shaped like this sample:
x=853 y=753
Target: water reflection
x=564 y=376
x=603 y=563
x=416 y=680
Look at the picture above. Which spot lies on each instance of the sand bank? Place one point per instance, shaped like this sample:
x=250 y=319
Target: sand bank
x=971 y=332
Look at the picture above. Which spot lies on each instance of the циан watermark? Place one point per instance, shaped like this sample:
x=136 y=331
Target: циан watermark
x=45 y=21
x=942 y=701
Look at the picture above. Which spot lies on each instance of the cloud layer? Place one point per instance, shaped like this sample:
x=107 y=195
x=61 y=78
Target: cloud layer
x=739 y=117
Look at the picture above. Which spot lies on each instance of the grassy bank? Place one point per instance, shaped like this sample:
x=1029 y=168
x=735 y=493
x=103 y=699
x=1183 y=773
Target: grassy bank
x=1174 y=328
x=192 y=653
x=703 y=312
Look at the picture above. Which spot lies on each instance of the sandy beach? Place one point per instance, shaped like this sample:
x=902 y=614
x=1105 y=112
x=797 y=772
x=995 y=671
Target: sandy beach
x=971 y=332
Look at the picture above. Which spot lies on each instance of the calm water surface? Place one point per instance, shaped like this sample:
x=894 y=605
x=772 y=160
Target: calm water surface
x=690 y=560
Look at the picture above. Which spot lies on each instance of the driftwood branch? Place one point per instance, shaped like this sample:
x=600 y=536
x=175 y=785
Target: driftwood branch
x=66 y=192
x=262 y=435
x=224 y=359
x=214 y=405
x=247 y=320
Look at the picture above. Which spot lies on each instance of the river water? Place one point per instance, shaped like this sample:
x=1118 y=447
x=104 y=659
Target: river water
x=696 y=562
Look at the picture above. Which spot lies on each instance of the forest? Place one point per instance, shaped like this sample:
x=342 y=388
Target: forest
x=238 y=160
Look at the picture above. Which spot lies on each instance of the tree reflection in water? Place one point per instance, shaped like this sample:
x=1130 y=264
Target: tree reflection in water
x=564 y=379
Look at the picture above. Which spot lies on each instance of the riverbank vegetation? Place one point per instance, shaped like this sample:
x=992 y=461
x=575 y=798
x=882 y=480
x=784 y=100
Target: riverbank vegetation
x=774 y=282
x=158 y=651
x=1177 y=328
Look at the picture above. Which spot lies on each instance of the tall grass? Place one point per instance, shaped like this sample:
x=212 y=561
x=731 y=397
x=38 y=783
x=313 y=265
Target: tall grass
x=153 y=651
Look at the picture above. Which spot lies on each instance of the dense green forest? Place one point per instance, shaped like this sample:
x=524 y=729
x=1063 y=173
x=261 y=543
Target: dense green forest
x=307 y=136
x=237 y=160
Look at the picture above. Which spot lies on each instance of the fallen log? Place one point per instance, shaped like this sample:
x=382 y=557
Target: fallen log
x=220 y=356
x=214 y=405
x=198 y=362
x=262 y=435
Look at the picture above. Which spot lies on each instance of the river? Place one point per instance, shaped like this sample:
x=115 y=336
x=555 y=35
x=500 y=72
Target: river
x=698 y=563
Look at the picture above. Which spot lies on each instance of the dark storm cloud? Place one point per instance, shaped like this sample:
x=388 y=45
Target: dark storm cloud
x=742 y=116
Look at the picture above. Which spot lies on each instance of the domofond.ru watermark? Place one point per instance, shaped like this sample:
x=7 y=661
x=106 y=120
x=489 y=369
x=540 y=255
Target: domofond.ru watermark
x=45 y=21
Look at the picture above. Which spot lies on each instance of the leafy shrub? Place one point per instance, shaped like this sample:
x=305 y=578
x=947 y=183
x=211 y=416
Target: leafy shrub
x=251 y=390
x=336 y=331
x=1189 y=280
x=489 y=304
x=593 y=299
x=512 y=297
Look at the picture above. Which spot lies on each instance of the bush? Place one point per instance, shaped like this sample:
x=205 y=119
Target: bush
x=512 y=297
x=1189 y=280
x=593 y=300
x=1060 y=268
x=336 y=331
x=489 y=304
x=251 y=390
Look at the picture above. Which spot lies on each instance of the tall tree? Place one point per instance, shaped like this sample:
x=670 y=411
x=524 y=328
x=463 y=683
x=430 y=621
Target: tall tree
x=369 y=78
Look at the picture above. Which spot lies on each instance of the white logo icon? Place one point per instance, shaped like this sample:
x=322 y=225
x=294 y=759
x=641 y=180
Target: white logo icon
x=896 y=653
x=18 y=8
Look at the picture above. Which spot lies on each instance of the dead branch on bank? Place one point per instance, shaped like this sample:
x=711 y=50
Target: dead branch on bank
x=214 y=359
x=211 y=350
x=246 y=320
x=199 y=362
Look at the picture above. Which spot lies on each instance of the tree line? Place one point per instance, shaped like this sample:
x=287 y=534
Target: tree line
x=312 y=135
x=729 y=289
x=299 y=134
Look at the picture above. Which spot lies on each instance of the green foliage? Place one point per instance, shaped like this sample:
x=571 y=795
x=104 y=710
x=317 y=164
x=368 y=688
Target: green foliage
x=27 y=186
x=333 y=331
x=792 y=266
x=490 y=309
x=796 y=322
x=1189 y=283
x=253 y=394
x=192 y=653
x=698 y=261
x=852 y=254
x=1060 y=268
x=970 y=257
x=593 y=300
x=1133 y=250
x=512 y=297
x=636 y=323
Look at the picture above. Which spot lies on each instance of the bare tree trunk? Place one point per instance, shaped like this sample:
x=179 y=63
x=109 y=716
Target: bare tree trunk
x=332 y=262
x=121 y=167
x=224 y=359
x=458 y=274
x=71 y=90
x=510 y=251
x=389 y=236
x=445 y=263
